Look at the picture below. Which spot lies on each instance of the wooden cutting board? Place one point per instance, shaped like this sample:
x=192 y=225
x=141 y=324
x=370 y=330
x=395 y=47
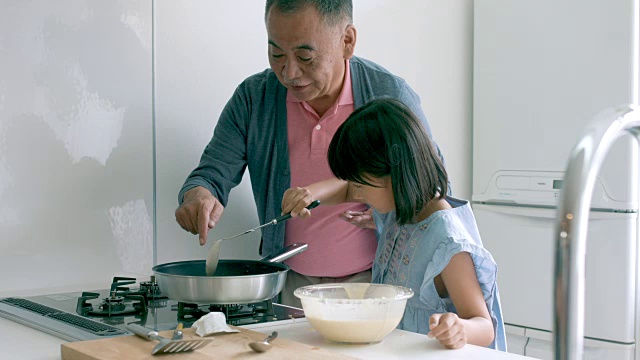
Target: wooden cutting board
x=223 y=346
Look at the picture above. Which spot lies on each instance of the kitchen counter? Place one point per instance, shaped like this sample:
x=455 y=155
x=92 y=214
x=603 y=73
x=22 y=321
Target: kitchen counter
x=22 y=342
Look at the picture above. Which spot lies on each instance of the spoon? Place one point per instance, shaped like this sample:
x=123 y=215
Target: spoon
x=264 y=345
x=211 y=264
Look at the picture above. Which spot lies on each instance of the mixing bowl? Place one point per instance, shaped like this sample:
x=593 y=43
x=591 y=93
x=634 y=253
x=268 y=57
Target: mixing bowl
x=353 y=313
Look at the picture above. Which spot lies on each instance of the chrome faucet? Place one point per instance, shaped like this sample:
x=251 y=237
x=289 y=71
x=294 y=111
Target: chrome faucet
x=571 y=224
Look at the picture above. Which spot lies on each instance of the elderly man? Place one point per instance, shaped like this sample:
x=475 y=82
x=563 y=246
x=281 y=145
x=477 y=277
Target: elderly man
x=279 y=124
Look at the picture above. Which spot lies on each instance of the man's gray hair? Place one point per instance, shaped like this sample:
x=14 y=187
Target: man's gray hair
x=333 y=11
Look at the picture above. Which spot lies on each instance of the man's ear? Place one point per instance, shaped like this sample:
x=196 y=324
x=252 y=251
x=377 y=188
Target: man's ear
x=349 y=41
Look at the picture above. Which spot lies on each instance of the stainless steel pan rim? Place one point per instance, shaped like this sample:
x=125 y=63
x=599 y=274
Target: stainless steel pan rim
x=235 y=281
x=161 y=269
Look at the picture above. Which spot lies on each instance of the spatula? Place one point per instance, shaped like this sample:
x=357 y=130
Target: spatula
x=214 y=251
x=166 y=346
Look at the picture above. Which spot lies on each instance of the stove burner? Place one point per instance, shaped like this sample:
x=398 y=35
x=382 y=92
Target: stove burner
x=236 y=314
x=117 y=285
x=152 y=290
x=234 y=310
x=187 y=311
x=114 y=305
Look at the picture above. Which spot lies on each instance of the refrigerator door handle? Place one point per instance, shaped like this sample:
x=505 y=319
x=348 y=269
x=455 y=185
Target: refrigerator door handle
x=545 y=213
x=524 y=211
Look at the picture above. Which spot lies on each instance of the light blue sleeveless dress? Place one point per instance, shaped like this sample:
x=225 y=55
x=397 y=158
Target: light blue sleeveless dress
x=413 y=255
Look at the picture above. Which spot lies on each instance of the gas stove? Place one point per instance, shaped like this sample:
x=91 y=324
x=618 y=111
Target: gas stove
x=100 y=314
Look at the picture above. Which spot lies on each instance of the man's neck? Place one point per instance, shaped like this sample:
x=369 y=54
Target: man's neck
x=322 y=104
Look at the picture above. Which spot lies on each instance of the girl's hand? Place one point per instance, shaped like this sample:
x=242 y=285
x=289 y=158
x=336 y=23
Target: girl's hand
x=362 y=219
x=448 y=329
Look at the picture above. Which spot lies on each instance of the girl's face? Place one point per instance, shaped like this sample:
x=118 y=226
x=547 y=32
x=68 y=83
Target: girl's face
x=380 y=196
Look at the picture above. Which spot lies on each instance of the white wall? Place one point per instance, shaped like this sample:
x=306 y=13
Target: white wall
x=204 y=50
x=75 y=142
x=430 y=44
x=77 y=126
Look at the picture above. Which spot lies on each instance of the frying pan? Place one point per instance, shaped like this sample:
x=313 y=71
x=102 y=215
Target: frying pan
x=234 y=282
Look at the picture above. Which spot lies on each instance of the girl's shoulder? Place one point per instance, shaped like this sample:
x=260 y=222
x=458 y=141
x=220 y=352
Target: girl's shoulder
x=455 y=230
x=458 y=215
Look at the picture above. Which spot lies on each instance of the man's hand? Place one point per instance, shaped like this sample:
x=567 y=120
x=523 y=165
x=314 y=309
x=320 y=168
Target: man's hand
x=362 y=219
x=199 y=212
x=295 y=200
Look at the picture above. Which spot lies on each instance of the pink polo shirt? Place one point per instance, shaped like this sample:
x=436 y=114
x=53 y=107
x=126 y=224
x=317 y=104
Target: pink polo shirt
x=336 y=248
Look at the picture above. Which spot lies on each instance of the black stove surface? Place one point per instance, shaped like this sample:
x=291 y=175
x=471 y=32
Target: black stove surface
x=104 y=313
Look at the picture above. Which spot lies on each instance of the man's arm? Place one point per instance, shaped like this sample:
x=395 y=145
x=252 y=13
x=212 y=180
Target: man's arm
x=205 y=192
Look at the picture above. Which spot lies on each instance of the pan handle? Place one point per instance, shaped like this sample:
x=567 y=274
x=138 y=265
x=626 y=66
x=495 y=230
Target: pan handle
x=285 y=253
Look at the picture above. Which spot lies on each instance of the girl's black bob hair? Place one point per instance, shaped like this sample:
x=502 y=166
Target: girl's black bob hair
x=385 y=138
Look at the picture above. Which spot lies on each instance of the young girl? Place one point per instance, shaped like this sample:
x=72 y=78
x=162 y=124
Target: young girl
x=427 y=241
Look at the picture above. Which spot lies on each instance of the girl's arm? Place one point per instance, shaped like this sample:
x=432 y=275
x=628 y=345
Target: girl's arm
x=472 y=324
x=330 y=192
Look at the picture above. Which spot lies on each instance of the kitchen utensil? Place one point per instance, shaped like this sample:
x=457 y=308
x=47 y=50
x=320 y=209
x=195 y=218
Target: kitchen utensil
x=177 y=333
x=235 y=282
x=353 y=313
x=223 y=346
x=214 y=250
x=262 y=346
x=165 y=345
x=213 y=256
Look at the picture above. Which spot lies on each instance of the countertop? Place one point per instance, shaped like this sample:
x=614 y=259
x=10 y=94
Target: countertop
x=19 y=341
x=22 y=342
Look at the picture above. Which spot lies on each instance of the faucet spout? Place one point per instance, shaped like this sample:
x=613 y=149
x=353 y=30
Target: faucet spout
x=572 y=223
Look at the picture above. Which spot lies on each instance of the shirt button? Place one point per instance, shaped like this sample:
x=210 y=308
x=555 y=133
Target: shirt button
x=318 y=127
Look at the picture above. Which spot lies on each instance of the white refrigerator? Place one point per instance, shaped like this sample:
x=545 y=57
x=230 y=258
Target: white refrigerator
x=542 y=70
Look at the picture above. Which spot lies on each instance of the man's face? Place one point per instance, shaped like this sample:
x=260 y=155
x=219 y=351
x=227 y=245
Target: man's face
x=307 y=55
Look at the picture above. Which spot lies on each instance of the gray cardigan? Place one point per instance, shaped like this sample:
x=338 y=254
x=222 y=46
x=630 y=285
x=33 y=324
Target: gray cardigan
x=252 y=132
